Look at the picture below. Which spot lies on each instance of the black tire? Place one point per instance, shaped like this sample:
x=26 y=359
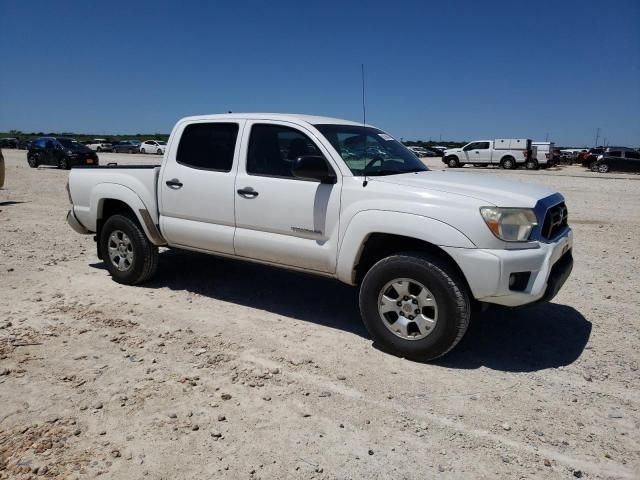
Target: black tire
x=63 y=164
x=448 y=290
x=130 y=150
x=603 y=167
x=532 y=164
x=142 y=150
x=33 y=161
x=453 y=162
x=145 y=255
x=98 y=149
x=508 y=163
x=159 y=152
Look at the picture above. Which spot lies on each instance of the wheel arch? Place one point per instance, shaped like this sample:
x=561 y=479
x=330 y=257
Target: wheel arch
x=111 y=199
x=373 y=235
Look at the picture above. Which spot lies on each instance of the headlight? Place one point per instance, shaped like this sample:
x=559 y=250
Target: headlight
x=510 y=224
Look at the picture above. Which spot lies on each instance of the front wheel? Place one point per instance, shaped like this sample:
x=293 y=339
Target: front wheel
x=414 y=305
x=453 y=162
x=603 y=168
x=130 y=257
x=32 y=161
x=142 y=150
x=63 y=164
x=130 y=150
x=159 y=152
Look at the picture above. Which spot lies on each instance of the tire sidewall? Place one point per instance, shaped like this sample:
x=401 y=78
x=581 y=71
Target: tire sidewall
x=452 y=162
x=603 y=168
x=444 y=334
x=508 y=163
x=132 y=230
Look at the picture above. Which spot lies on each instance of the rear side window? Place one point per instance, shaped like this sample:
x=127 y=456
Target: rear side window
x=208 y=146
x=482 y=146
x=635 y=155
x=273 y=148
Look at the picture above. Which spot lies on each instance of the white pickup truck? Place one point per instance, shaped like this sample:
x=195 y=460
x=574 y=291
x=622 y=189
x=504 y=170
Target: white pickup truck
x=508 y=153
x=334 y=198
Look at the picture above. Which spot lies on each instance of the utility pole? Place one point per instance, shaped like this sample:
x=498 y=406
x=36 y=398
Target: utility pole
x=546 y=138
x=597 y=136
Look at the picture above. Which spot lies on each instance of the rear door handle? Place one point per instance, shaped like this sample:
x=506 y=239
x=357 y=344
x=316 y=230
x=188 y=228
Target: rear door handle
x=174 y=183
x=247 y=192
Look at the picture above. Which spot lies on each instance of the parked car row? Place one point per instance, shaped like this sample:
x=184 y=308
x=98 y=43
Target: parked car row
x=10 y=142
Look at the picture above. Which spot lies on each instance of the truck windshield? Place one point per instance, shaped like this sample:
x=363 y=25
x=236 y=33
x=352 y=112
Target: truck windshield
x=369 y=151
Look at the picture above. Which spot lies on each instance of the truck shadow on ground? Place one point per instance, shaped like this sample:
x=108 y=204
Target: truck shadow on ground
x=524 y=339
x=516 y=340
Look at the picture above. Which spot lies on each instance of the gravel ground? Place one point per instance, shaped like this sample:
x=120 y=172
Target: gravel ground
x=222 y=369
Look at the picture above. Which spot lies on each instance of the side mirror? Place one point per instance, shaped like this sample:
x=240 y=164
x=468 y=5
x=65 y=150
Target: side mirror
x=313 y=167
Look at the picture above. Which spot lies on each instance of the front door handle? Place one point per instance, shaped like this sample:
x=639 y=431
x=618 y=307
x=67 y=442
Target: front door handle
x=247 y=192
x=174 y=183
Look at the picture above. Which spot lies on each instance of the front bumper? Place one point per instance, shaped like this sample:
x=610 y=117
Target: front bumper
x=488 y=271
x=75 y=223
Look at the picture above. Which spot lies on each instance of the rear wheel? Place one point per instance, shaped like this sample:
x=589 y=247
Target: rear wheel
x=453 y=162
x=130 y=150
x=130 y=257
x=508 y=163
x=63 y=164
x=532 y=164
x=414 y=305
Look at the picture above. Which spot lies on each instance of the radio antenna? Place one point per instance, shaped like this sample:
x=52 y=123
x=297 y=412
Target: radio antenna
x=364 y=108
x=364 y=122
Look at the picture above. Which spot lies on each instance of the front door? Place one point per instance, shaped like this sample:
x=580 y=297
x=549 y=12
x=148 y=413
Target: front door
x=280 y=218
x=196 y=186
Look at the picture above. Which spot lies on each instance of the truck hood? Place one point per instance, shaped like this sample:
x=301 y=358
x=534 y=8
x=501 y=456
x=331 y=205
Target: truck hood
x=450 y=151
x=488 y=189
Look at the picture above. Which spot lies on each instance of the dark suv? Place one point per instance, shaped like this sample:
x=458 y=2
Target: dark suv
x=62 y=152
x=619 y=159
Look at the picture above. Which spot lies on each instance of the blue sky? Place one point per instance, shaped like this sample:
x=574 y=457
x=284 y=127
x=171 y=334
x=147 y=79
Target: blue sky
x=459 y=69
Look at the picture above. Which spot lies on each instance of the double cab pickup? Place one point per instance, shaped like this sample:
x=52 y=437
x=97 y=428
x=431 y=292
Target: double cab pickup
x=334 y=198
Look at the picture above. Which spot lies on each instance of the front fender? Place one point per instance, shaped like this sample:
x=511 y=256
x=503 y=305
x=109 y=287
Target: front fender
x=409 y=225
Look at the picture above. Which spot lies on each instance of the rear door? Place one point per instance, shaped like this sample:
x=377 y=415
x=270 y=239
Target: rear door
x=280 y=218
x=632 y=160
x=196 y=187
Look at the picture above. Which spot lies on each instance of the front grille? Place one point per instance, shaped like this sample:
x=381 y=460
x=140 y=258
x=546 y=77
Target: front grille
x=555 y=221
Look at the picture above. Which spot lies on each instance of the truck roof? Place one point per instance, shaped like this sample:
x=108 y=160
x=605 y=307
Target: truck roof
x=311 y=119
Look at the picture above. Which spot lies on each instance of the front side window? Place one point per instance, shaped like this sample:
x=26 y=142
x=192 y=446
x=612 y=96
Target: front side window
x=208 y=146
x=369 y=151
x=273 y=148
x=615 y=153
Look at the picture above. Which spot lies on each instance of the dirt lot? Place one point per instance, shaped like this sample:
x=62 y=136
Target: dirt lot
x=220 y=369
